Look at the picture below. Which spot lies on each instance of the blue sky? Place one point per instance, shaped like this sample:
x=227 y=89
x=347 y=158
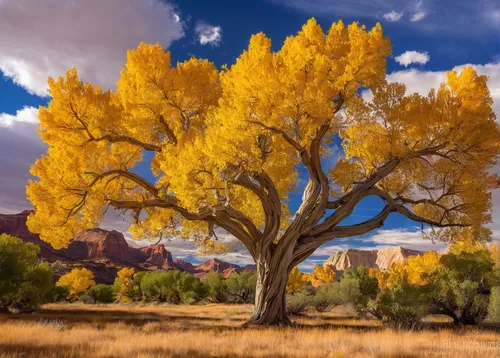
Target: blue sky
x=41 y=38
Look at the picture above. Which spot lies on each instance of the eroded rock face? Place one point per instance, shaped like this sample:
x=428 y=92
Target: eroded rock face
x=380 y=259
x=158 y=256
x=106 y=252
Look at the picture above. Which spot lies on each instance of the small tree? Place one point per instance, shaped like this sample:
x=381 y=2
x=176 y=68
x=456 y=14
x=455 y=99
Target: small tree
x=24 y=284
x=77 y=281
x=320 y=275
x=296 y=281
x=464 y=283
x=127 y=284
x=241 y=287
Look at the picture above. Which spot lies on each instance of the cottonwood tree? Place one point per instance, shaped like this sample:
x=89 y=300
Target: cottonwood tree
x=225 y=148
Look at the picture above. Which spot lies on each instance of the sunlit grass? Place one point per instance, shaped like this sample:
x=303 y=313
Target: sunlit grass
x=77 y=330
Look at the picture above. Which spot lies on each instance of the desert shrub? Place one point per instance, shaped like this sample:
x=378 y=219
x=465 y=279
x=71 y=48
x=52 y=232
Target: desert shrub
x=58 y=294
x=403 y=306
x=327 y=297
x=241 y=287
x=464 y=282
x=216 y=287
x=173 y=287
x=297 y=303
x=101 y=293
x=360 y=289
x=77 y=281
x=24 y=284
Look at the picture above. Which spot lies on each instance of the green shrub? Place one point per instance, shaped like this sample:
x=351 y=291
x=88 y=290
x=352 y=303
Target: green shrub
x=216 y=287
x=241 y=287
x=360 y=290
x=101 y=293
x=463 y=286
x=403 y=306
x=327 y=297
x=172 y=287
x=297 y=303
x=24 y=284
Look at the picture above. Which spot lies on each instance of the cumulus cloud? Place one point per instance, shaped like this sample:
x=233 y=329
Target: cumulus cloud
x=208 y=34
x=416 y=17
x=423 y=81
x=20 y=147
x=45 y=38
x=409 y=57
x=393 y=16
x=25 y=115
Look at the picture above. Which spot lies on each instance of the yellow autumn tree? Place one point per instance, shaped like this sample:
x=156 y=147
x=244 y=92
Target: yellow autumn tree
x=124 y=287
x=321 y=274
x=416 y=270
x=77 y=281
x=226 y=147
x=297 y=280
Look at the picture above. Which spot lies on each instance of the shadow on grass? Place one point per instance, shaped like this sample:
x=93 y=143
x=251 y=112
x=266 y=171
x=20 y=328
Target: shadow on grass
x=51 y=351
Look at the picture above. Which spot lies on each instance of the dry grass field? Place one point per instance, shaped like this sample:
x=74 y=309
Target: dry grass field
x=77 y=330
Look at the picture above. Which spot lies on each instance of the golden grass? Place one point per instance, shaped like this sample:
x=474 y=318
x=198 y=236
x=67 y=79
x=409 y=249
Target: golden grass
x=77 y=330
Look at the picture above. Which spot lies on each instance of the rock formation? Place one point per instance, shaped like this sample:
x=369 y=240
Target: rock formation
x=105 y=252
x=380 y=259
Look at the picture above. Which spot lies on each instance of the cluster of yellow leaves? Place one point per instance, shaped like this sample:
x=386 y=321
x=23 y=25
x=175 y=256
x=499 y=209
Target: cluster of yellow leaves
x=457 y=119
x=417 y=270
x=77 y=281
x=320 y=275
x=125 y=284
x=297 y=280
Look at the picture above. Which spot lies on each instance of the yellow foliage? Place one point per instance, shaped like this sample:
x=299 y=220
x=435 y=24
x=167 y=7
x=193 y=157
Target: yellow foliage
x=77 y=281
x=296 y=281
x=417 y=270
x=320 y=275
x=495 y=254
x=205 y=129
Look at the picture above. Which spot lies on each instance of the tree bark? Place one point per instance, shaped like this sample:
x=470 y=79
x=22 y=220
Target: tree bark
x=270 y=299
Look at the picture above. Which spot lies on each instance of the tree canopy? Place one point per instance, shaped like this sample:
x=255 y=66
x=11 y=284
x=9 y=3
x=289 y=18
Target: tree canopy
x=227 y=146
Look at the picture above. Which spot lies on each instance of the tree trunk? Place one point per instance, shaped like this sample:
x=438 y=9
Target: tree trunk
x=270 y=300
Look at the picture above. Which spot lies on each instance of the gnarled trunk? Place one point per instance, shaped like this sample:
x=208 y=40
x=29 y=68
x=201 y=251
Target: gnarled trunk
x=270 y=300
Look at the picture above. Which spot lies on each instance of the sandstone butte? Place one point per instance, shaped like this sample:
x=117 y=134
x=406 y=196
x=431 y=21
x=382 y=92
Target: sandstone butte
x=105 y=252
x=380 y=259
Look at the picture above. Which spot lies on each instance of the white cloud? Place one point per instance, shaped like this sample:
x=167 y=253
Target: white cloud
x=208 y=34
x=45 y=38
x=418 y=16
x=409 y=57
x=25 y=115
x=459 y=14
x=393 y=16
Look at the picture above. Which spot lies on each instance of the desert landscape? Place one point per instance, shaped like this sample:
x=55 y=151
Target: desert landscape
x=214 y=330
x=272 y=178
